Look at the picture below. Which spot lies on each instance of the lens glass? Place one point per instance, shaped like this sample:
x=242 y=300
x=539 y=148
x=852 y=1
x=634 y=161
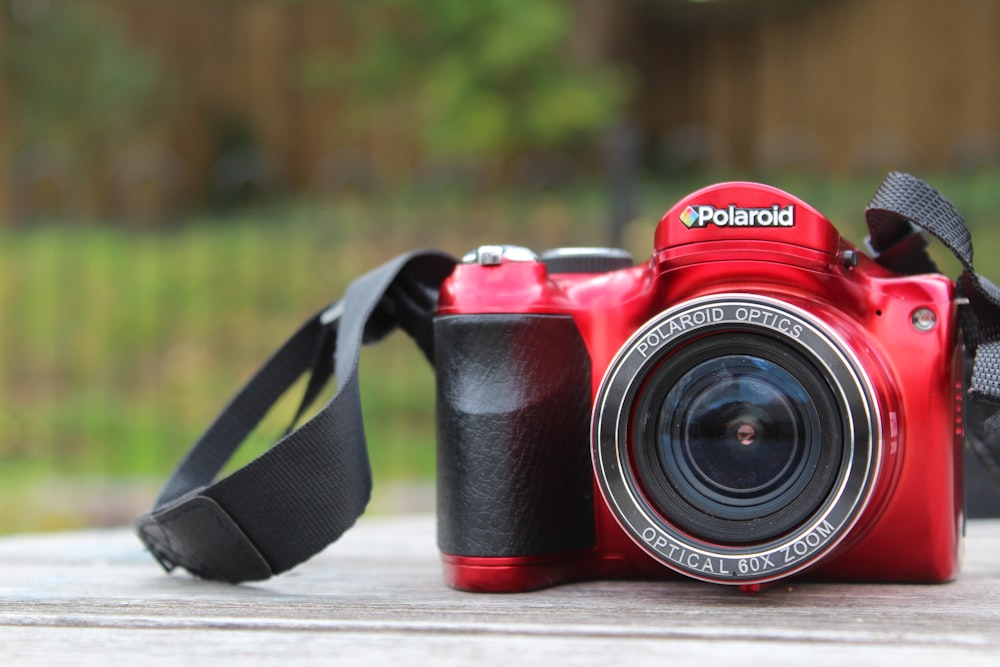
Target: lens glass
x=738 y=434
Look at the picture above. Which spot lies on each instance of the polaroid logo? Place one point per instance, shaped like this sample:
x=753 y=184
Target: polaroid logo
x=736 y=216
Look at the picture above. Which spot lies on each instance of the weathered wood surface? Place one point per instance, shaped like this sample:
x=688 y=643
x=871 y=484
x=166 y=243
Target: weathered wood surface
x=376 y=597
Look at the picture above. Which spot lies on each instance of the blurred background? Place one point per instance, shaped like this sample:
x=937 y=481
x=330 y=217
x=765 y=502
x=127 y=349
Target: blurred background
x=182 y=182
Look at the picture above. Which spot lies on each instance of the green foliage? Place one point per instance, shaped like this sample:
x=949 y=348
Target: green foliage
x=469 y=78
x=75 y=78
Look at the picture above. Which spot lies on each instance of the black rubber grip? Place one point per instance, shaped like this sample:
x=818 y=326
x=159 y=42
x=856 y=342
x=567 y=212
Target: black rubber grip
x=514 y=401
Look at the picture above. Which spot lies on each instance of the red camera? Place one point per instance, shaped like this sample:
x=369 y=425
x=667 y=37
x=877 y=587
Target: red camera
x=760 y=400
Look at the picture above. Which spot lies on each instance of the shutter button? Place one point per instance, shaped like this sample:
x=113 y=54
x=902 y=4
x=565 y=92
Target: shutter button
x=495 y=255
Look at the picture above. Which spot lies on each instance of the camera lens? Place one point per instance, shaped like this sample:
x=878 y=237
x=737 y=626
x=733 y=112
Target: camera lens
x=729 y=437
x=736 y=438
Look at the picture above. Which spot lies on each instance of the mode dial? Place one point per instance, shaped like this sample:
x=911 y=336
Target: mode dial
x=586 y=260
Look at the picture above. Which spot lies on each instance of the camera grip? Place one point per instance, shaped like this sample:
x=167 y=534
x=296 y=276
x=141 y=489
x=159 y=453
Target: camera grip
x=514 y=401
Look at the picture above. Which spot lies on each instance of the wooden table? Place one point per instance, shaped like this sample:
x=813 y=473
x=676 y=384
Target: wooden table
x=376 y=597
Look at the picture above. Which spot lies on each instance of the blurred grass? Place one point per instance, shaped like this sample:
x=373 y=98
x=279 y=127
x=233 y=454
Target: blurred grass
x=118 y=346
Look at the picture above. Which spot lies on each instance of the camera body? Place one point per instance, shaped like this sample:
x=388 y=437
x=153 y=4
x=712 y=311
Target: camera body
x=756 y=402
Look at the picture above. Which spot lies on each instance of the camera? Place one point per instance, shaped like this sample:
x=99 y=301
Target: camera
x=759 y=401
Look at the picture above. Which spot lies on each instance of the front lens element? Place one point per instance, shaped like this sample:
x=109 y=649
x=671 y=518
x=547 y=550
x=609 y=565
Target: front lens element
x=738 y=434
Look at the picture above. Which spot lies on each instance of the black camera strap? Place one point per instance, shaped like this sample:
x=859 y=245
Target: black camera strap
x=903 y=208
x=312 y=485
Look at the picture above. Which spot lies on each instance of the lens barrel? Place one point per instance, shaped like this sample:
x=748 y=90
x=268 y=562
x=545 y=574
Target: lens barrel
x=736 y=438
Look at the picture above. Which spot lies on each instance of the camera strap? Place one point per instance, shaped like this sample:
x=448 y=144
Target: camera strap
x=312 y=485
x=903 y=208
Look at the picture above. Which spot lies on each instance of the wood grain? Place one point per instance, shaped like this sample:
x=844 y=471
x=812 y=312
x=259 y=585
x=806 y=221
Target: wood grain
x=376 y=596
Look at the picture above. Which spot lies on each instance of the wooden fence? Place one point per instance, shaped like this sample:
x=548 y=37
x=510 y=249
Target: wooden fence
x=841 y=85
x=851 y=84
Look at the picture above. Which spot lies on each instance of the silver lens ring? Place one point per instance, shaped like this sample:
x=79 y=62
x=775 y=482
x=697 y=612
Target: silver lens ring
x=824 y=525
